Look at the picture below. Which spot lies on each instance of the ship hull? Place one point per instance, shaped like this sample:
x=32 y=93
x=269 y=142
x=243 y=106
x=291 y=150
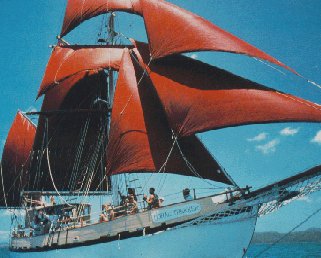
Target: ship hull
x=216 y=230
x=216 y=240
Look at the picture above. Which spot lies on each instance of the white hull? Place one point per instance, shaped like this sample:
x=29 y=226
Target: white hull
x=201 y=241
x=199 y=228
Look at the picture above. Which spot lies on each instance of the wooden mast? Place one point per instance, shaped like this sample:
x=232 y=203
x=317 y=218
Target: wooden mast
x=110 y=84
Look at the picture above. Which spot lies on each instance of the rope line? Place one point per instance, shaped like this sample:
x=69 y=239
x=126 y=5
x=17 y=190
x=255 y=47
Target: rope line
x=52 y=180
x=301 y=76
x=4 y=193
x=63 y=61
x=138 y=83
x=271 y=66
x=299 y=101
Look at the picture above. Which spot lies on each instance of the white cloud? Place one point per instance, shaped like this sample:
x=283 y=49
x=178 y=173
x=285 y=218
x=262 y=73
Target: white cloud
x=317 y=138
x=194 y=56
x=288 y=131
x=258 y=138
x=268 y=147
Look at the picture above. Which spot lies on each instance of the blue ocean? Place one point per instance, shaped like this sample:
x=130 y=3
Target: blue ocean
x=293 y=250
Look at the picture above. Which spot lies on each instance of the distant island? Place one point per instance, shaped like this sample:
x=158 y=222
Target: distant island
x=309 y=235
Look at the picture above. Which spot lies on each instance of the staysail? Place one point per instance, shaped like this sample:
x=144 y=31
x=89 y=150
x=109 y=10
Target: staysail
x=174 y=31
x=140 y=138
x=198 y=97
x=15 y=160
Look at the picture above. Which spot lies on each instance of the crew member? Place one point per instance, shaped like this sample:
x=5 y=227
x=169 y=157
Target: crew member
x=152 y=200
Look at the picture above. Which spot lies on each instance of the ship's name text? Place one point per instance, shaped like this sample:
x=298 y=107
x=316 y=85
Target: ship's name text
x=163 y=215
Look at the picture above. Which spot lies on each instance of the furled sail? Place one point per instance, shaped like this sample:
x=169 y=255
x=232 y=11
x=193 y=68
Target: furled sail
x=70 y=60
x=15 y=160
x=140 y=138
x=198 y=97
x=170 y=29
x=71 y=137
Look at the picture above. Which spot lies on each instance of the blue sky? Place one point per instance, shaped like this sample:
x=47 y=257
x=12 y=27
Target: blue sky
x=254 y=155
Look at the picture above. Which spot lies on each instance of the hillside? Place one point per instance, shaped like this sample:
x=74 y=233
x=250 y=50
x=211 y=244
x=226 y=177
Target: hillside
x=310 y=235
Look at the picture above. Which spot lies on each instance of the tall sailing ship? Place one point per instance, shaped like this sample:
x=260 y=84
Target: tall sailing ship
x=113 y=110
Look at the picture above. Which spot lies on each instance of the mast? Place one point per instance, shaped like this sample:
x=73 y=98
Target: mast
x=108 y=40
x=111 y=41
x=110 y=89
x=115 y=180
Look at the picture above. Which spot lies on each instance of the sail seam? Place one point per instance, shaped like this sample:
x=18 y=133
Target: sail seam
x=299 y=101
x=138 y=83
x=63 y=61
x=82 y=9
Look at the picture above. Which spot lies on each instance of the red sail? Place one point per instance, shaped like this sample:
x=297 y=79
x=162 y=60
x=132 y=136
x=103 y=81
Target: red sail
x=78 y=11
x=68 y=61
x=176 y=30
x=198 y=97
x=140 y=138
x=65 y=132
x=15 y=159
x=170 y=29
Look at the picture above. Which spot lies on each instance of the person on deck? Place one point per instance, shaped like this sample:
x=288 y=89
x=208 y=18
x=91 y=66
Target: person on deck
x=52 y=200
x=152 y=200
x=40 y=201
x=107 y=213
x=161 y=200
x=36 y=221
x=103 y=217
x=132 y=207
x=186 y=194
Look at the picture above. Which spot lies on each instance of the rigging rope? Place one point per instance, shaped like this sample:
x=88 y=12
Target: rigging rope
x=14 y=181
x=139 y=81
x=190 y=166
x=164 y=164
x=87 y=181
x=80 y=149
x=299 y=101
x=52 y=180
x=39 y=156
x=4 y=193
x=301 y=76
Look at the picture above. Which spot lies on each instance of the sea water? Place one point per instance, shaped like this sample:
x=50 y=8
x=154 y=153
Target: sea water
x=285 y=250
